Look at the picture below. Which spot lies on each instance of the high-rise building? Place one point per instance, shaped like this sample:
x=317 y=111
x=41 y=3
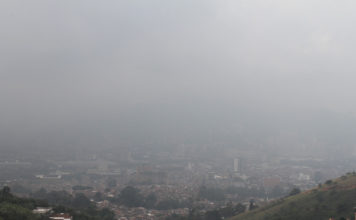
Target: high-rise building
x=236 y=165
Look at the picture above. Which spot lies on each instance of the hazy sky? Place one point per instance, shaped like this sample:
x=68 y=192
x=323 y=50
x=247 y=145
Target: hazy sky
x=84 y=64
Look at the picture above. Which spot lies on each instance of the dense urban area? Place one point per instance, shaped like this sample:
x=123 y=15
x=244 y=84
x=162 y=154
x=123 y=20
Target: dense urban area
x=163 y=184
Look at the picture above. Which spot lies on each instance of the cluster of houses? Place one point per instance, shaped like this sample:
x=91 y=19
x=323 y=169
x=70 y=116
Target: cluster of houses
x=54 y=216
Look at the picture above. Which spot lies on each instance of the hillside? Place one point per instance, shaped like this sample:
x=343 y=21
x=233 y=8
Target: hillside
x=335 y=198
x=16 y=208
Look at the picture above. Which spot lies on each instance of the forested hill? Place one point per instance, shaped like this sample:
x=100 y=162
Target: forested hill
x=334 y=199
x=16 y=208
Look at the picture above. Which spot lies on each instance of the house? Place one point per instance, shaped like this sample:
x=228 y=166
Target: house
x=61 y=216
x=42 y=210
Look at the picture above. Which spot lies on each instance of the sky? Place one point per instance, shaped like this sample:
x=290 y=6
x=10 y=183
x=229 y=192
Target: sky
x=80 y=72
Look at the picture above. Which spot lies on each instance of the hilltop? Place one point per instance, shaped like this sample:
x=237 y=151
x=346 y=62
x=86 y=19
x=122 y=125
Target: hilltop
x=335 y=198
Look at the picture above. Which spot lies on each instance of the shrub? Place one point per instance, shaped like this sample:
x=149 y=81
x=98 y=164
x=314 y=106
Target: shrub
x=328 y=182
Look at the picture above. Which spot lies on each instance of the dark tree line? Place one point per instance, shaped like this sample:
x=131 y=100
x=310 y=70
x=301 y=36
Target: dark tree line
x=79 y=206
x=131 y=197
x=218 y=214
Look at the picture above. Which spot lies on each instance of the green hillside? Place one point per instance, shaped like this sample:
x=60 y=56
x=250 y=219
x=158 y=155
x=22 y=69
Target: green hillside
x=17 y=208
x=336 y=198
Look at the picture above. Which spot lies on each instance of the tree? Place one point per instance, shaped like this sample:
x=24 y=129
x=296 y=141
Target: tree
x=40 y=194
x=60 y=209
x=176 y=217
x=15 y=212
x=5 y=193
x=131 y=197
x=195 y=215
x=328 y=182
x=227 y=211
x=342 y=207
x=168 y=204
x=150 y=200
x=239 y=208
x=212 y=194
x=79 y=187
x=98 y=197
x=59 y=197
x=81 y=201
x=294 y=191
x=111 y=182
x=17 y=188
x=252 y=205
x=230 y=211
x=212 y=215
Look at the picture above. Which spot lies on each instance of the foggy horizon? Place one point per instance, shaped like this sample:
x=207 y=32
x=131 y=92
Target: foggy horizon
x=133 y=73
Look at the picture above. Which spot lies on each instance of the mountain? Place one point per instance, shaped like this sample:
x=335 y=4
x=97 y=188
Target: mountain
x=334 y=199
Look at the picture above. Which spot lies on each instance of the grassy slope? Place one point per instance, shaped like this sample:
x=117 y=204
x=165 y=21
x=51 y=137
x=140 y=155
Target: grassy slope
x=331 y=200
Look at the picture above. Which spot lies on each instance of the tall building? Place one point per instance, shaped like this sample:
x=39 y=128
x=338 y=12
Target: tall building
x=236 y=165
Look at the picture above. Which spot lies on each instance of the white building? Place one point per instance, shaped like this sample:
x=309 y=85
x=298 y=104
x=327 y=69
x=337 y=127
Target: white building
x=61 y=216
x=42 y=210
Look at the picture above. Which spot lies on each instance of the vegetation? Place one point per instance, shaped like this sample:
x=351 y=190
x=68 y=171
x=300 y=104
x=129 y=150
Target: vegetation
x=294 y=191
x=63 y=198
x=334 y=199
x=245 y=192
x=79 y=206
x=78 y=187
x=212 y=194
x=13 y=208
x=218 y=214
x=131 y=197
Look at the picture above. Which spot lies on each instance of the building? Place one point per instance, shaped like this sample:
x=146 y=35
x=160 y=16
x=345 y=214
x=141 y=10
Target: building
x=236 y=165
x=42 y=210
x=61 y=216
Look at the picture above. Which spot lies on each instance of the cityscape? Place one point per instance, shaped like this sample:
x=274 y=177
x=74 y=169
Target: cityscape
x=177 y=110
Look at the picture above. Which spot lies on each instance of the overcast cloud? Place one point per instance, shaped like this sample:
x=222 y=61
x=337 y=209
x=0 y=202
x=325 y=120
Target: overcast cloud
x=71 y=69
